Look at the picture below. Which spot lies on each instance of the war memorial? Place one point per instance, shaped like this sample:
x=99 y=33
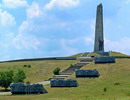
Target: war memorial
x=59 y=80
x=85 y=76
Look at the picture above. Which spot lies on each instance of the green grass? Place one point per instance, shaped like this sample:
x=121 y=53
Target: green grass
x=77 y=55
x=93 y=54
x=89 y=89
x=117 y=54
x=112 y=53
x=40 y=70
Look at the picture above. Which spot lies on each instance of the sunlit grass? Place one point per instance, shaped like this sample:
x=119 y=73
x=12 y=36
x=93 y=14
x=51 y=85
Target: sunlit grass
x=89 y=89
x=40 y=70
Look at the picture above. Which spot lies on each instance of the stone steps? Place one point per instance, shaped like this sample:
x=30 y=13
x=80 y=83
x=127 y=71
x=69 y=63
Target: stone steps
x=60 y=76
x=70 y=70
x=85 y=54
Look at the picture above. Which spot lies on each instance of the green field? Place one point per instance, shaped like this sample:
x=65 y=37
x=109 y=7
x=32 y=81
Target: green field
x=114 y=77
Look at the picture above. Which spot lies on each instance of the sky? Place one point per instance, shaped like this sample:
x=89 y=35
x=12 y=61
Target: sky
x=50 y=28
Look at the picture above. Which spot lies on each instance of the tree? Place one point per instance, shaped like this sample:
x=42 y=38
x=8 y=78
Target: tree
x=56 y=71
x=19 y=76
x=6 y=78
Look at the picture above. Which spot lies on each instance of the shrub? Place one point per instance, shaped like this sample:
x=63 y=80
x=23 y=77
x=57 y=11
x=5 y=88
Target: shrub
x=56 y=71
x=116 y=83
x=25 y=65
x=105 y=89
x=6 y=78
x=29 y=66
x=71 y=65
x=27 y=82
x=19 y=76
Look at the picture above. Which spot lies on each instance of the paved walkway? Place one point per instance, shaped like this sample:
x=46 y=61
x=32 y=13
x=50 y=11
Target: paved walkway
x=5 y=93
x=44 y=82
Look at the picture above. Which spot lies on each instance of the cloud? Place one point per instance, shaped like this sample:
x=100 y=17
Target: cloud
x=127 y=1
x=33 y=11
x=14 y=3
x=121 y=45
x=73 y=46
x=62 y=4
x=24 y=26
x=6 y=18
x=22 y=41
x=66 y=48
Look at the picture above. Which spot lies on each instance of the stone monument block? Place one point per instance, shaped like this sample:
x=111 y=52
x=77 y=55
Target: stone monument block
x=104 y=59
x=64 y=83
x=87 y=73
x=21 y=88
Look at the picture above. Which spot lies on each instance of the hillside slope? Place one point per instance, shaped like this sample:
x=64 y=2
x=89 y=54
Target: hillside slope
x=40 y=70
x=114 y=77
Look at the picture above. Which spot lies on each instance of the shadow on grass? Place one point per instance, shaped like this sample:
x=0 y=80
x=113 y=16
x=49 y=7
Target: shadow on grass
x=5 y=90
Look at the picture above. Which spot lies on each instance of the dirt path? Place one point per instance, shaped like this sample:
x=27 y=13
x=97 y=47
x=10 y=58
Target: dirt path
x=5 y=93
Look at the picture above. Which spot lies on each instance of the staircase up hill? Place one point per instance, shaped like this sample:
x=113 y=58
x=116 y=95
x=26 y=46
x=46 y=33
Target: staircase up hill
x=70 y=70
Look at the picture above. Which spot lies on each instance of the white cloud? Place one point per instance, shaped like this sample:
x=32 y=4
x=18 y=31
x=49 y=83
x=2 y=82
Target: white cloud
x=10 y=35
x=89 y=40
x=62 y=3
x=127 y=1
x=22 y=41
x=69 y=50
x=6 y=18
x=33 y=11
x=24 y=26
x=14 y=3
x=122 y=45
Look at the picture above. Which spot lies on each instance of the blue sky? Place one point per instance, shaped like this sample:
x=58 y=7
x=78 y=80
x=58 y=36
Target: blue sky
x=49 y=28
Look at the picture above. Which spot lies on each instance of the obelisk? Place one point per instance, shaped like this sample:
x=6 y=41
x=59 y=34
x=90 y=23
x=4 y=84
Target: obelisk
x=99 y=39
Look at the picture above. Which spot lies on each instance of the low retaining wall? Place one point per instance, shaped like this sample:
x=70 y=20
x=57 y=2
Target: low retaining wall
x=40 y=59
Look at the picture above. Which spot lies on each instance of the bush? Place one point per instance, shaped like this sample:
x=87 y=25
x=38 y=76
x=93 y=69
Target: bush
x=6 y=78
x=56 y=71
x=71 y=65
x=28 y=82
x=116 y=83
x=105 y=89
x=25 y=65
x=19 y=76
x=29 y=66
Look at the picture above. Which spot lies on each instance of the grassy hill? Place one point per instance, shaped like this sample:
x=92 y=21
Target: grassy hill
x=93 y=54
x=40 y=70
x=113 y=53
x=77 y=55
x=114 y=77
